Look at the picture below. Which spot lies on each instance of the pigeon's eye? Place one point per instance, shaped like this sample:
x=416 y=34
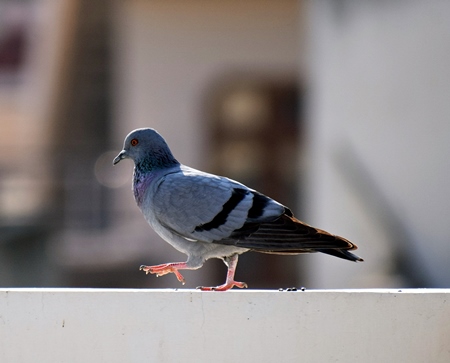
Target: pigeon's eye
x=134 y=142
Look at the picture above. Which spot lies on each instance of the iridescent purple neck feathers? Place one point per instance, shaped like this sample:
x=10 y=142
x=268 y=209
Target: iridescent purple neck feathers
x=140 y=184
x=149 y=168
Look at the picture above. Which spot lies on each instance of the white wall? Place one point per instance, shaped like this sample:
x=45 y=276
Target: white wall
x=82 y=325
x=380 y=82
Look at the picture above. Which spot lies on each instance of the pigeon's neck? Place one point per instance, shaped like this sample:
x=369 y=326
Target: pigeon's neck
x=145 y=172
x=140 y=183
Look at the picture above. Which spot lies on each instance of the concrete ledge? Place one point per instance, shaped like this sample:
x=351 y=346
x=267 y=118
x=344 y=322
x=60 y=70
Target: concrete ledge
x=123 y=325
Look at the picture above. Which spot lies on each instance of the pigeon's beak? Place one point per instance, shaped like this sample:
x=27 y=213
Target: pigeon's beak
x=122 y=155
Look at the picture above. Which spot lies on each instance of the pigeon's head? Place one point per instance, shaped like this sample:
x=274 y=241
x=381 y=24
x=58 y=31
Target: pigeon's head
x=147 y=149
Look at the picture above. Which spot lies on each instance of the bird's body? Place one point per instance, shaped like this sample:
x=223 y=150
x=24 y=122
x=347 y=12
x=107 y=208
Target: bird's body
x=208 y=216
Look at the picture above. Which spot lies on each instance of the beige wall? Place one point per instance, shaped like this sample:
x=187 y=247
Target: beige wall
x=170 y=52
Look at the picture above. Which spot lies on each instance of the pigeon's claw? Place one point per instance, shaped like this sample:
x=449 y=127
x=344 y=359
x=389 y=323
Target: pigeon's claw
x=166 y=268
x=226 y=286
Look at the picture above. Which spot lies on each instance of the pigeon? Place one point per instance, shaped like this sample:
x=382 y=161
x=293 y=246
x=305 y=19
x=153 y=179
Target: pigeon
x=207 y=216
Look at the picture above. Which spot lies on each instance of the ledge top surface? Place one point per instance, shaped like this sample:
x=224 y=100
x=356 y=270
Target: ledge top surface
x=234 y=291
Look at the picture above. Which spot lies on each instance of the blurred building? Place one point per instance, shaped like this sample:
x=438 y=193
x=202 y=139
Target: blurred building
x=336 y=108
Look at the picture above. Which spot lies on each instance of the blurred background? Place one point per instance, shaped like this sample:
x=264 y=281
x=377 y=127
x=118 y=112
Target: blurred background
x=338 y=109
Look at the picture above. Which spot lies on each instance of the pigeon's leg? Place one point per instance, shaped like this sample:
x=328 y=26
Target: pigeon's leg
x=231 y=262
x=167 y=268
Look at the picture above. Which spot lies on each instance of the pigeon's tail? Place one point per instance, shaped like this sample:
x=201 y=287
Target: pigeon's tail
x=346 y=255
x=287 y=235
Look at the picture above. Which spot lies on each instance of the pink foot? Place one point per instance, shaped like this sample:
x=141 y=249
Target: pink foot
x=231 y=262
x=226 y=286
x=166 y=268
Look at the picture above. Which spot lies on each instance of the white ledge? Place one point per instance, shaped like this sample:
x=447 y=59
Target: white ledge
x=136 y=325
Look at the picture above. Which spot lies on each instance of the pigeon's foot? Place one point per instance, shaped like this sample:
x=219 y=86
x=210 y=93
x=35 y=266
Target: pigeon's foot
x=166 y=268
x=231 y=262
x=226 y=286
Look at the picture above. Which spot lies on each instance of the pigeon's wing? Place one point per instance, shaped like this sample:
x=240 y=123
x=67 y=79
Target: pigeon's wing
x=205 y=207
